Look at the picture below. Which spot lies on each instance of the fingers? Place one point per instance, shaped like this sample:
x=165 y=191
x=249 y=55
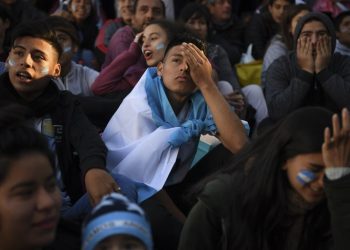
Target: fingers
x=138 y=37
x=304 y=46
x=335 y=125
x=308 y=46
x=338 y=130
x=346 y=120
x=327 y=136
x=194 y=55
x=324 y=46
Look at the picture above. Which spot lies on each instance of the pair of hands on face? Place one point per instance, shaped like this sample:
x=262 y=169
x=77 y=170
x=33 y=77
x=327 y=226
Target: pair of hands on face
x=336 y=148
x=307 y=61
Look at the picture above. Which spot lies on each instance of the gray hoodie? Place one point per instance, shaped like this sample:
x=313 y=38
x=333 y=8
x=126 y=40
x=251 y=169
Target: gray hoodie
x=288 y=87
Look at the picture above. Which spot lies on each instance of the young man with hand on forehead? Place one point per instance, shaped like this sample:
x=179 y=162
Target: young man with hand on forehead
x=312 y=75
x=153 y=136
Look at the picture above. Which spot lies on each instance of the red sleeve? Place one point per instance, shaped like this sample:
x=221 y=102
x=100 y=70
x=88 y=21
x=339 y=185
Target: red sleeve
x=112 y=78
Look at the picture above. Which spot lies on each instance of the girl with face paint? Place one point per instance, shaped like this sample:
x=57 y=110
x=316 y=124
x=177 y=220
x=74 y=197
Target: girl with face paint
x=155 y=38
x=272 y=195
x=147 y=50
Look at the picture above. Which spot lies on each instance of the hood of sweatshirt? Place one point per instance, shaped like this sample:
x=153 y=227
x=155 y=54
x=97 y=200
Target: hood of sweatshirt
x=315 y=16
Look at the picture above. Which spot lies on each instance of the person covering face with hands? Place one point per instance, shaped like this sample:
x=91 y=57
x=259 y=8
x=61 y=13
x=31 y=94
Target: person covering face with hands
x=312 y=74
x=314 y=47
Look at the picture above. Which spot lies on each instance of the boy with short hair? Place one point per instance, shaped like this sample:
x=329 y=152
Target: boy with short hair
x=74 y=77
x=32 y=63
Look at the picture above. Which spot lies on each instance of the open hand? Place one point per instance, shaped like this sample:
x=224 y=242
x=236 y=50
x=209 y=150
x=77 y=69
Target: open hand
x=323 y=55
x=138 y=38
x=199 y=65
x=336 y=148
x=304 y=54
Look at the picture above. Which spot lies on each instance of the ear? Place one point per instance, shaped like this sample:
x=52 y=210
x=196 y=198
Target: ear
x=160 y=67
x=57 y=70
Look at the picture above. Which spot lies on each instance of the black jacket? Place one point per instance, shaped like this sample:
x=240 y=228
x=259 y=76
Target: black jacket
x=78 y=144
x=338 y=195
x=208 y=224
x=231 y=37
x=288 y=87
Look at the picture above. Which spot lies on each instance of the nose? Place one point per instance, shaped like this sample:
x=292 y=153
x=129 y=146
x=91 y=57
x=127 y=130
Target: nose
x=314 y=38
x=196 y=26
x=145 y=44
x=45 y=199
x=150 y=14
x=27 y=60
x=318 y=182
x=184 y=66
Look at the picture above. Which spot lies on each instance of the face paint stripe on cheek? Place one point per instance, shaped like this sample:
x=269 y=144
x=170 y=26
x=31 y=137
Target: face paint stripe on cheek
x=304 y=177
x=11 y=62
x=45 y=70
x=160 y=46
x=67 y=49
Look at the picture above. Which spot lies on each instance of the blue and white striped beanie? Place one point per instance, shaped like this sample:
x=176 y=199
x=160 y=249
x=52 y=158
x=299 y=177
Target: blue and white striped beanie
x=115 y=215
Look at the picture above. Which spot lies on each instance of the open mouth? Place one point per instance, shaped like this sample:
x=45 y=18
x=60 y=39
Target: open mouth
x=24 y=76
x=147 y=54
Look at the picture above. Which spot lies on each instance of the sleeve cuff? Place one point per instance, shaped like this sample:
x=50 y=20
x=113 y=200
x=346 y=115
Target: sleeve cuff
x=92 y=163
x=335 y=173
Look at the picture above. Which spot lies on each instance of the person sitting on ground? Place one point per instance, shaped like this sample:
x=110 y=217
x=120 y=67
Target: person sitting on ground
x=124 y=61
x=169 y=108
x=116 y=223
x=265 y=25
x=311 y=74
x=29 y=196
x=342 y=27
x=287 y=189
x=82 y=14
x=153 y=41
x=282 y=43
x=77 y=78
x=74 y=77
x=123 y=10
x=228 y=30
x=80 y=152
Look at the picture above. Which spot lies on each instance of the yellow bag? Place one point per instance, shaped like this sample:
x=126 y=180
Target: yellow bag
x=249 y=73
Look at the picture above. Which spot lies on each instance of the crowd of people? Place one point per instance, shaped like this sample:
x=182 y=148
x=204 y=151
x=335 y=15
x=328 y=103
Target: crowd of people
x=104 y=106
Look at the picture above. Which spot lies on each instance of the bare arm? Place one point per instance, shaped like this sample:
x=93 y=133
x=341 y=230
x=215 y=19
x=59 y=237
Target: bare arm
x=231 y=131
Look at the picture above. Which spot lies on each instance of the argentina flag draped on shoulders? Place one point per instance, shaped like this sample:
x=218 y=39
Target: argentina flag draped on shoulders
x=144 y=135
